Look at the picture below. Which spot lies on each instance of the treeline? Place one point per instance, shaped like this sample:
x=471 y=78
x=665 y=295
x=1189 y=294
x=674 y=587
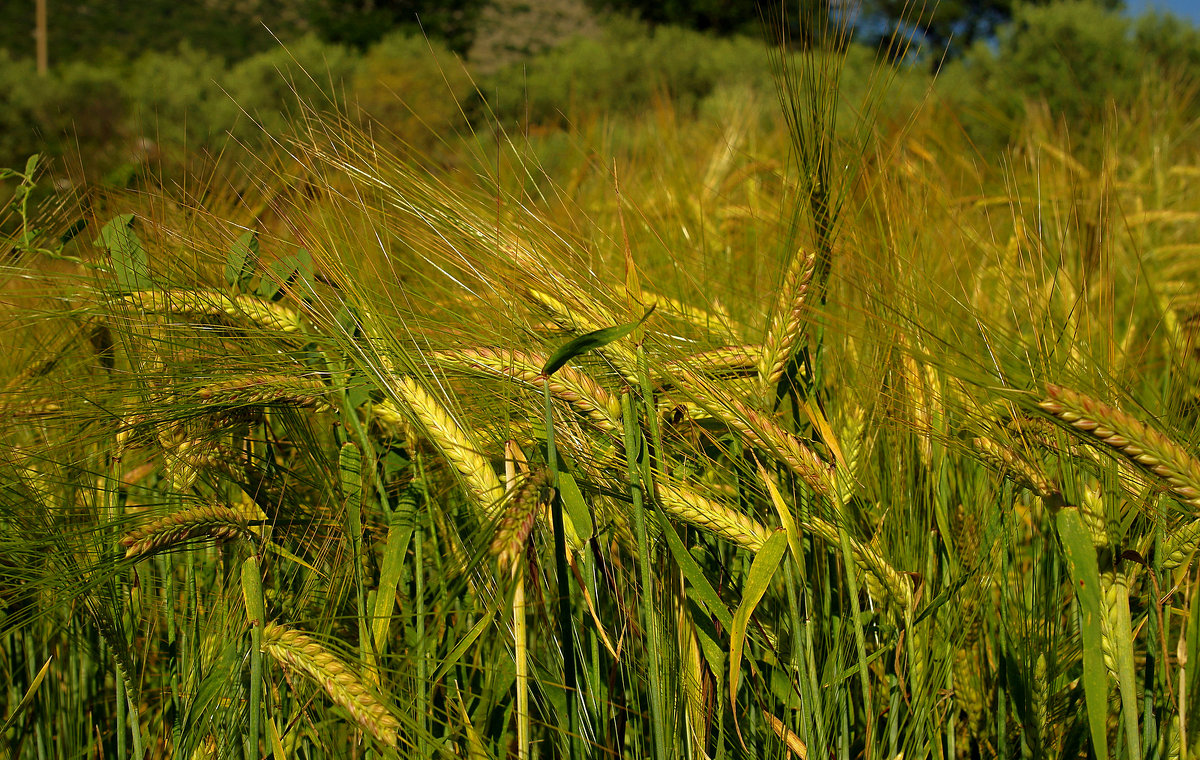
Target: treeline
x=154 y=108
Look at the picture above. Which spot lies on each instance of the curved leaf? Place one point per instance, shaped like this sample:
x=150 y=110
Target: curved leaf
x=590 y=342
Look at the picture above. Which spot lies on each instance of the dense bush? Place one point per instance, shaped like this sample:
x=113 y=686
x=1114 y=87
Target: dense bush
x=1075 y=57
x=412 y=88
x=1078 y=58
x=623 y=70
x=176 y=98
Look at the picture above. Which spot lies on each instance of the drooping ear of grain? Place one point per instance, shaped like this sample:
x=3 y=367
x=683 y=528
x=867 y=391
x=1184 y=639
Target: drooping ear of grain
x=1142 y=444
x=520 y=510
x=210 y=303
x=208 y=521
x=1008 y=462
x=453 y=442
x=763 y=434
x=265 y=390
x=299 y=653
x=684 y=504
x=567 y=384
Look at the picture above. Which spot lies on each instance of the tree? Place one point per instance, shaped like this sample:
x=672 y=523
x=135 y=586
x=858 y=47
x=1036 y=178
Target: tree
x=359 y=23
x=797 y=23
x=940 y=29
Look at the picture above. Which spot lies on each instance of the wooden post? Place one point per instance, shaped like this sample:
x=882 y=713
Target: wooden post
x=43 y=62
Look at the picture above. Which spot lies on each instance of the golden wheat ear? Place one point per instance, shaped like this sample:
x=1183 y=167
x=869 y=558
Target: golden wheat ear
x=1146 y=447
x=298 y=652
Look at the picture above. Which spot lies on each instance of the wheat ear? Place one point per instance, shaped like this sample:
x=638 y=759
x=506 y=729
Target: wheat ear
x=715 y=322
x=521 y=510
x=576 y=388
x=786 y=328
x=210 y=303
x=762 y=433
x=453 y=442
x=1141 y=443
x=883 y=580
x=1181 y=544
x=589 y=318
x=213 y=521
x=1008 y=462
x=41 y=407
x=726 y=359
x=298 y=652
x=262 y=390
x=687 y=505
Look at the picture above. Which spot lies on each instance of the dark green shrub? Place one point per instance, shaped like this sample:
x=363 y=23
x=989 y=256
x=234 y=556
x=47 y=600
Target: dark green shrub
x=269 y=86
x=176 y=99
x=412 y=88
x=1078 y=58
x=77 y=109
x=622 y=71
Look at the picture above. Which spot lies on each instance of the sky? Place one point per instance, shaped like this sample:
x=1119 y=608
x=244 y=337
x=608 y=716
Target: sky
x=1188 y=9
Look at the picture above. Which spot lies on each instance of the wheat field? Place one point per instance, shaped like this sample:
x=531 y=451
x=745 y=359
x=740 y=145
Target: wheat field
x=818 y=435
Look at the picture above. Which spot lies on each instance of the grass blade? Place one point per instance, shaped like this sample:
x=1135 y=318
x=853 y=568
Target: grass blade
x=762 y=570
x=1081 y=562
x=28 y=698
x=590 y=342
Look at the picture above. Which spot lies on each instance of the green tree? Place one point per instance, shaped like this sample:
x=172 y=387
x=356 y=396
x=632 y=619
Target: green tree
x=360 y=23
x=942 y=29
x=796 y=23
x=88 y=30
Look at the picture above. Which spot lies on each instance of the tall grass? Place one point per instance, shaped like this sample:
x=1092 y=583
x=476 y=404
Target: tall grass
x=901 y=463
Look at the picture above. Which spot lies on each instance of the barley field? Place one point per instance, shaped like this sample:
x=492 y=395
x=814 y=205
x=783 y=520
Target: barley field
x=806 y=429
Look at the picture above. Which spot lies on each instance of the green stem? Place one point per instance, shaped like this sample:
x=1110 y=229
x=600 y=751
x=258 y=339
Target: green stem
x=859 y=639
x=565 y=629
x=634 y=452
x=422 y=701
x=256 y=614
x=521 y=631
x=121 y=720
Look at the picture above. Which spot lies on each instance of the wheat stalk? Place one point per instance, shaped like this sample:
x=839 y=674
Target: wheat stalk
x=298 y=652
x=1141 y=443
x=210 y=303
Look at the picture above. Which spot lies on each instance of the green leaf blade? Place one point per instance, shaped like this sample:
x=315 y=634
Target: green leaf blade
x=590 y=342
x=124 y=247
x=762 y=570
x=241 y=262
x=1085 y=577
